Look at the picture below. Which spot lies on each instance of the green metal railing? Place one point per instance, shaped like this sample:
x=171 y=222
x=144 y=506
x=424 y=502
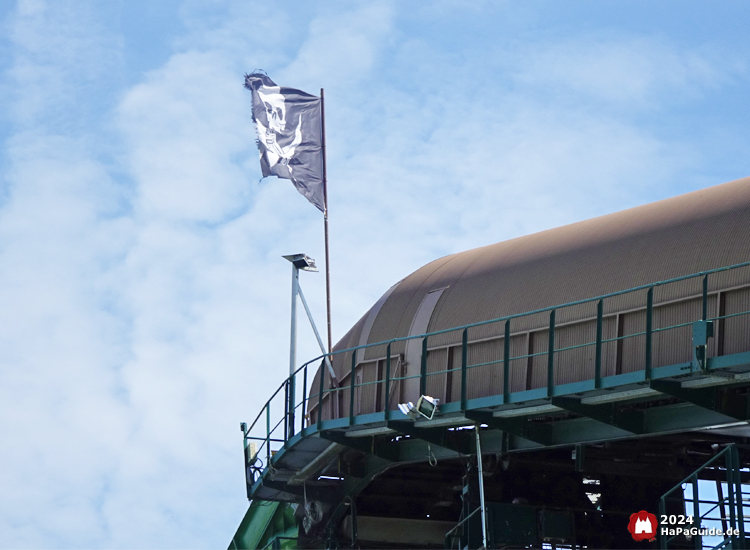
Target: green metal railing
x=714 y=513
x=294 y=417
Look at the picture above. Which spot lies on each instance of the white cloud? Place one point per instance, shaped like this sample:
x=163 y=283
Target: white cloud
x=145 y=304
x=634 y=71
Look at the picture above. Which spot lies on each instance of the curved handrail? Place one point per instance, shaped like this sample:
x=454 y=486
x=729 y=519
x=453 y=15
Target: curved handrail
x=290 y=409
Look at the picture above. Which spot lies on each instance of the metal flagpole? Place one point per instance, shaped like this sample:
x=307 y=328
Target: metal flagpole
x=325 y=214
x=333 y=397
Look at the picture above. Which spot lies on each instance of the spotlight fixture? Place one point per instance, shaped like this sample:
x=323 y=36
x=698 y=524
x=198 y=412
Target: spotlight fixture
x=426 y=407
x=302 y=261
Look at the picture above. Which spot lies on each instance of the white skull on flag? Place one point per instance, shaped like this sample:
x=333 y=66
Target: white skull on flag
x=276 y=131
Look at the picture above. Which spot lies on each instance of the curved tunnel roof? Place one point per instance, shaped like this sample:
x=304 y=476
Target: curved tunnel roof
x=701 y=230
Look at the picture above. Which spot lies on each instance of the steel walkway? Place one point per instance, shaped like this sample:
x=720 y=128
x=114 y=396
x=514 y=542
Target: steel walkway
x=299 y=459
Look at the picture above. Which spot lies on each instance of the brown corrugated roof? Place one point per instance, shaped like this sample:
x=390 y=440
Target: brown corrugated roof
x=697 y=231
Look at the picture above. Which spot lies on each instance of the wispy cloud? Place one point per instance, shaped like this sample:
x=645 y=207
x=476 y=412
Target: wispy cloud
x=144 y=308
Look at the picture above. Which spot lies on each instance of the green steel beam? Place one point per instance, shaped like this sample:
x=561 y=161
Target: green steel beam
x=713 y=398
x=453 y=440
x=519 y=427
x=367 y=445
x=607 y=413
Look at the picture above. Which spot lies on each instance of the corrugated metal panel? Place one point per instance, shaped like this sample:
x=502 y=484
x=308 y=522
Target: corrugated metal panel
x=574 y=365
x=609 y=349
x=313 y=399
x=366 y=395
x=571 y=365
x=632 y=350
x=454 y=377
x=518 y=367
x=536 y=377
x=638 y=246
x=675 y=345
x=370 y=317
x=437 y=361
x=342 y=362
x=698 y=231
x=736 y=330
x=487 y=379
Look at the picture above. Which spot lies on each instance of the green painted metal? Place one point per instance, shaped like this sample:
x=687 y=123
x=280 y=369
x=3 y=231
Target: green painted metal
x=519 y=427
x=608 y=413
x=352 y=387
x=264 y=522
x=551 y=356
x=703 y=407
x=649 y=330
x=709 y=507
x=304 y=396
x=423 y=369
x=287 y=408
x=705 y=299
x=320 y=397
x=598 y=361
x=387 y=405
x=454 y=441
x=464 y=361
x=506 y=363
x=268 y=432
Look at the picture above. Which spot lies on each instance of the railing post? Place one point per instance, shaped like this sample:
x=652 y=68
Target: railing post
x=598 y=363
x=387 y=400
x=292 y=409
x=506 y=363
x=352 y=385
x=268 y=433
x=698 y=540
x=464 y=359
x=551 y=355
x=286 y=411
x=705 y=298
x=649 y=330
x=304 y=398
x=729 y=461
x=423 y=369
x=320 y=395
x=738 y=480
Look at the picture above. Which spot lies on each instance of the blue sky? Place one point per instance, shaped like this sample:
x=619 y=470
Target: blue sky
x=143 y=298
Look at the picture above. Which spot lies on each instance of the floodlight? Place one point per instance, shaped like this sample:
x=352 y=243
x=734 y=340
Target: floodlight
x=426 y=406
x=302 y=261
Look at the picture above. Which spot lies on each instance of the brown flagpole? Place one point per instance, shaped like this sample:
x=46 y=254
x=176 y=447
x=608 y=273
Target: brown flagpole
x=325 y=215
x=334 y=402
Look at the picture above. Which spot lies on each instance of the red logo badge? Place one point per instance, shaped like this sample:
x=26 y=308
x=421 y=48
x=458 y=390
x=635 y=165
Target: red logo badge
x=643 y=526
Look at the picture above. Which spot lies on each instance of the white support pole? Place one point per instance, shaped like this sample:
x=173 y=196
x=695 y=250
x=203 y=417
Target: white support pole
x=481 y=490
x=317 y=335
x=293 y=347
x=293 y=332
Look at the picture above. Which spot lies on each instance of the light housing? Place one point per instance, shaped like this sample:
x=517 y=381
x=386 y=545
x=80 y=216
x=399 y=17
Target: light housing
x=426 y=407
x=302 y=262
